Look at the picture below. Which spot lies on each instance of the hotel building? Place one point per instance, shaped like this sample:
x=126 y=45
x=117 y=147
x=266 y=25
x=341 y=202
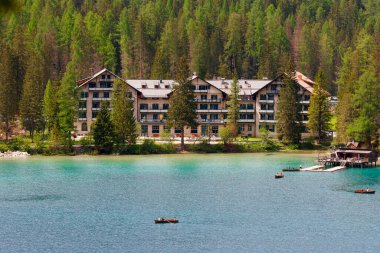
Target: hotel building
x=258 y=103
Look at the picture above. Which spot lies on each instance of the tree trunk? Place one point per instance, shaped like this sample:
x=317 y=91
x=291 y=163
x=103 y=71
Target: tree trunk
x=183 y=139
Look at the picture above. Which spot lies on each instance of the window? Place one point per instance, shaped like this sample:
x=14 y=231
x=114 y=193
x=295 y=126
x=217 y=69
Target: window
x=194 y=130
x=243 y=116
x=155 y=129
x=250 y=106
x=106 y=94
x=94 y=115
x=155 y=106
x=214 y=97
x=204 y=130
x=263 y=106
x=263 y=97
x=271 y=128
x=82 y=115
x=250 y=116
x=273 y=87
x=143 y=106
x=215 y=129
x=242 y=128
x=249 y=128
x=91 y=85
x=155 y=116
x=143 y=116
x=84 y=94
x=108 y=76
x=95 y=105
x=305 y=107
x=203 y=87
x=213 y=106
x=95 y=94
x=203 y=106
x=84 y=126
x=144 y=129
x=243 y=106
x=204 y=117
x=213 y=116
x=177 y=130
x=305 y=117
x=271 y=107
x=103 y=76
x=307 y=97
x=165 y=106
x=270 y=116
x=262 y=116
x=270 y=97
x=203 y=97
x=82 y=104
x=128 y=94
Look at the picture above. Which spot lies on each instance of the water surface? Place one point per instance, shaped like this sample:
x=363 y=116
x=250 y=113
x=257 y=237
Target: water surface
x=225 y=203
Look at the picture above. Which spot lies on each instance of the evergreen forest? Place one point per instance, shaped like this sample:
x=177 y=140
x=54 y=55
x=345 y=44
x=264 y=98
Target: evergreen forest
x=61 y=41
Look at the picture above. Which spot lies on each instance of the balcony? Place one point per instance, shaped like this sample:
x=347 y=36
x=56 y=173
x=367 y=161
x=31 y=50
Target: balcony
x=246 y=120
x=100 y=89
x=83 y=99
x=101 y=99
x=205 y=91
x=266 y=101
x=208 y=100
x=99 y=108
x=211 y=110
x=220 y=121
x=152 y=120
x=106 y=80
x=304 y=112
x=154 y=110
x=268 y=121
x=82 y=119
x=305 y=102
x=82 y=109
x=273 y=92
x=246 y=110
x=266 y=111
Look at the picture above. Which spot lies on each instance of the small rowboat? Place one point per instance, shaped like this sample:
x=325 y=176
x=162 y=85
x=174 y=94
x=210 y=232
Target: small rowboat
x=279 y=175
x=290 y=169
x=365 y=191
x=163 y=220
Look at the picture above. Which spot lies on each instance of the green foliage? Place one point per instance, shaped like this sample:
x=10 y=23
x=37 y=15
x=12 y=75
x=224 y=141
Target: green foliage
x=289 y=121
x=122 y=114
x=233 y=109
x=103 y=131
x=319 y=111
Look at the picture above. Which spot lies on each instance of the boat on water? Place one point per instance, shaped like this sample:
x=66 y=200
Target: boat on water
x=291 y=169
x=279 y=175
x=163 y=220
x=365 y=191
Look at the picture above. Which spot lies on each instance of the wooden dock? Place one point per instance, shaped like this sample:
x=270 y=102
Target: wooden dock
x=316 y=167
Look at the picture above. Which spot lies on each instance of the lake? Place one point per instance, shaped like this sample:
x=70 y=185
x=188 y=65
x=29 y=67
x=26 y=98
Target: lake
x=224 y=202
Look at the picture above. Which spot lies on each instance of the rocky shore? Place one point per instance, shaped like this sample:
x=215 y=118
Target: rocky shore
x=13 y=154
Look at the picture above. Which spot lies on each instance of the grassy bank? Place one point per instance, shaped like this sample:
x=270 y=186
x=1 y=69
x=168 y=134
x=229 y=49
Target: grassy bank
x=149 y=146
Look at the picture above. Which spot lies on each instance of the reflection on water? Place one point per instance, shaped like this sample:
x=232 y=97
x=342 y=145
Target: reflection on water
x=34 y=198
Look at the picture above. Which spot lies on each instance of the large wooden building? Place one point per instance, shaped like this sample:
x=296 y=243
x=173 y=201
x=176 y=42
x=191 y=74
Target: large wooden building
x=258 y=103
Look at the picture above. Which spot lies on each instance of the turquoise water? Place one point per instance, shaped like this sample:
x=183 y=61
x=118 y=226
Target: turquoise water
x=225 y=203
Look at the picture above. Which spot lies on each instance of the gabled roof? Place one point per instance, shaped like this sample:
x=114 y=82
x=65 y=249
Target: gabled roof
x=304 y=81
x=152 y=88
x=247 y=87
x=88 y=79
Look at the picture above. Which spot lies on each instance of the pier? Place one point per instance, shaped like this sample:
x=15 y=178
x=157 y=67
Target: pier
x=320 y=168
x=316 y=167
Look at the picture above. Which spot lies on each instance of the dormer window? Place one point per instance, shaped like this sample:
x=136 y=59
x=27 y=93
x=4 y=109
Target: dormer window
x=167 y=86
x=144 y=86
x=156 y=86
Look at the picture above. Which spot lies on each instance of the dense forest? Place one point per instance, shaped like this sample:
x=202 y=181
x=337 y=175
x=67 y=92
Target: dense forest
x=66 y=40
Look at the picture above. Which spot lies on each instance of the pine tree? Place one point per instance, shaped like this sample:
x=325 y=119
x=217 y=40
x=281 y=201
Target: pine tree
x=122 y=114
x=233 y=109
x=182 y=110
x=103 y=131
x=319 y=112
x=67 y=105
x=8 y=94
x=289 y=120
x=50 y=109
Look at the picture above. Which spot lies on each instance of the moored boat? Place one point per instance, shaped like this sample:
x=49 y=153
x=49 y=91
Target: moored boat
x=163 y=220
x=290 y=169
x=365 y=191
x=279 y=175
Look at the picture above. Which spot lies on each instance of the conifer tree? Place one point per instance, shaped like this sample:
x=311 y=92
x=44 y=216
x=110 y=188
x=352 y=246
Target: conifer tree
x=49 y=110
x=67 y=104
x=233 y=109
x=289 y=120
x=8 y=94
x=319 y=111
x=124 y=122
x=103 y=131
x=182 y=110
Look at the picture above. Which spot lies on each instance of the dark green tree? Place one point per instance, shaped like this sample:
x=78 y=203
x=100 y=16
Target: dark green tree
x=103 y=131
x=182 y=111
x=319 y=111
x=122 y=116
x=233 y=108
x=289 y=118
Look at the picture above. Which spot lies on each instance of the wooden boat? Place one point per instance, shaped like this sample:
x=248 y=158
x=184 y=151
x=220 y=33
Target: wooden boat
x=365 y=191
x=291 y=169
x=163 y=220
x=279 y=175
